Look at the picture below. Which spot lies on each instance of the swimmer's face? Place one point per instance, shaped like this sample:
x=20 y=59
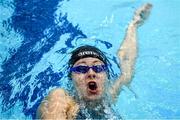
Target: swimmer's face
x=89 y=85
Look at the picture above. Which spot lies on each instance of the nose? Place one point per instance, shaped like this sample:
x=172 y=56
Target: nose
x=91 y=74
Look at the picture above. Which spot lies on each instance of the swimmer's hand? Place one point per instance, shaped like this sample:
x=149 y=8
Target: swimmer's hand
x=142 y=14
x=58 y=105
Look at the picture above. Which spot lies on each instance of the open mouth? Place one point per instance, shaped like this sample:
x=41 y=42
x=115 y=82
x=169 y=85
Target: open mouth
x=92 y=87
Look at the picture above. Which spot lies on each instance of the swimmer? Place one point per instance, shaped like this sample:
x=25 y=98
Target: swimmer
x=89 y=73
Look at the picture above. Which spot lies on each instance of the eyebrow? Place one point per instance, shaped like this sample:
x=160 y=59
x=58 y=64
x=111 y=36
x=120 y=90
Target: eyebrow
x=83 y=62
x=97 y=61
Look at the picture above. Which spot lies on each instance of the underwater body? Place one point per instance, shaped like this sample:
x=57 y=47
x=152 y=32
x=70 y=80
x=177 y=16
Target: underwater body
x=36 y=38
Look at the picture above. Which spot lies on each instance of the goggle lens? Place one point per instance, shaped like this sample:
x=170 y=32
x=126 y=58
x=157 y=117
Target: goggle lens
x=85 y=69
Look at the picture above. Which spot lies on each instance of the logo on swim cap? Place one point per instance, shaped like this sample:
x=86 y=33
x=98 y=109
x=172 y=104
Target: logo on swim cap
x=87 y=53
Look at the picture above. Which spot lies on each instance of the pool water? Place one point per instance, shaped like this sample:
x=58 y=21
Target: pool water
x=37 y=36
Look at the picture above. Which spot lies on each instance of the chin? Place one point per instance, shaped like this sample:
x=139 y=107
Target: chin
x=93 y=97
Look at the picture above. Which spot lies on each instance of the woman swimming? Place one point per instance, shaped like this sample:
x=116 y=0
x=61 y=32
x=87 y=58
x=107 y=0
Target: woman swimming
x=89 y=73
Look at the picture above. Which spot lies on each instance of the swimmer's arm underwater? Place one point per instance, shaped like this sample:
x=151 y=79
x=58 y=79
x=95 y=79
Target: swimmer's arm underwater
x=128 y=50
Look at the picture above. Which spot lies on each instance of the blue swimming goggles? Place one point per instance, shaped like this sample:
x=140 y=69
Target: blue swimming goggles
x=85 y=69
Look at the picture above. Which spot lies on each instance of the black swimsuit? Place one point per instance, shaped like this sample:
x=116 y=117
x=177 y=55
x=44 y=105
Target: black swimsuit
x=107 y=113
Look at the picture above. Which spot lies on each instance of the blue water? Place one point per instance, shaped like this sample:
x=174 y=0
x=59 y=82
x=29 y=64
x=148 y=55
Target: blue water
x=36 y=37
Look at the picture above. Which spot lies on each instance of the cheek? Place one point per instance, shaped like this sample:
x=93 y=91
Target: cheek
x=78 y=80
x=76 y=77
x=102 y=80
x=103 y=77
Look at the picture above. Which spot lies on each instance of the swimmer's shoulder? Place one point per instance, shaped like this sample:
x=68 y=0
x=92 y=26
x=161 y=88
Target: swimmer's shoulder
x=72 y=107
x=49 y=103
x=60 y=104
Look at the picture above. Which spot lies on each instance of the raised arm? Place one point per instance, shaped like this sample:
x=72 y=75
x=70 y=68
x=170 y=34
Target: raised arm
x=127 y=52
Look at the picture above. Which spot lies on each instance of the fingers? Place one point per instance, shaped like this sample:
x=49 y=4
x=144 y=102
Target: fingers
x=142 y=14
x=148 y=6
